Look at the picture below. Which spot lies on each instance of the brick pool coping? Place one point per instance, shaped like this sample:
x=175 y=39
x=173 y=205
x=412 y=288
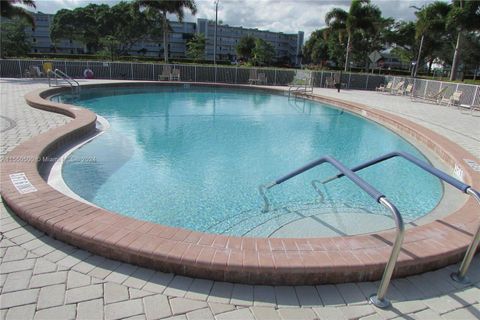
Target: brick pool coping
x=228 y=258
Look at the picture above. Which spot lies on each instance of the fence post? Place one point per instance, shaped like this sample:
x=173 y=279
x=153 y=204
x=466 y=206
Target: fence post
x=275 y=78
x=425 y=90
x=474 y=96
x=236 y=70
x=366 y=82
x=131 y=69
x=20 y=68
x=110 y=68
x=65 y=66
x=349 y=77
x=414 y=90
x=215 y=68
x=195 y=73
x=321 y=79
x=153 y=72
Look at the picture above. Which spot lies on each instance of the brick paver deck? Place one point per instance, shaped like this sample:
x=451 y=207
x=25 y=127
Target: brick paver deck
x=44 y=278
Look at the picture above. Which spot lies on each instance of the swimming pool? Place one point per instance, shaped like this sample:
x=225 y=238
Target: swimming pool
x=193 y=157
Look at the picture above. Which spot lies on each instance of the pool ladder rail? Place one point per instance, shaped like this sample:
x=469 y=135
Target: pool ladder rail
x=303 y=85
x=379 y=299
x=59 y=74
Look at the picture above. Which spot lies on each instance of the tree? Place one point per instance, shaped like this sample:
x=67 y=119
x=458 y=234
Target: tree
x=430 y=26
x=263 y=53
x=336 y=20
x=196 y=47
x=371 y=37
x=129 y=26
x=464 y=16
x=357 y=19
x=86 y=25
x=14 y=42
x=471 y=51
x=245 y=47
x=315 y=49
x=111 y=47
x=163 y=7
x=9 y=10
x=97 y=25
x=401 y=35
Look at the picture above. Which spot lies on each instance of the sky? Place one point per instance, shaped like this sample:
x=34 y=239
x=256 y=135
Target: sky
x=288 y=16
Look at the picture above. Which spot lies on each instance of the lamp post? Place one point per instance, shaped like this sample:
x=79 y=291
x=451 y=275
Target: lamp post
x=418 y=57
x=215 y=34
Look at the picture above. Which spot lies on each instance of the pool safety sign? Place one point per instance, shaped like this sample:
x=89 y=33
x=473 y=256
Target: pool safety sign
x=21 y=183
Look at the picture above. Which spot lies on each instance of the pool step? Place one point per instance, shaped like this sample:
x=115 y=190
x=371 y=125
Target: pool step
x=306 y=220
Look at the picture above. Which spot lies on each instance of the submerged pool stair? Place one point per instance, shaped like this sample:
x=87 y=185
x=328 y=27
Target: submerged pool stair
x=379 y=299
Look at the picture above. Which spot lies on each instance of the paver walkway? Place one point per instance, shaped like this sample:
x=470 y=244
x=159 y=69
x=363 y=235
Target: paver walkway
x=42 y=278
x=462 y=128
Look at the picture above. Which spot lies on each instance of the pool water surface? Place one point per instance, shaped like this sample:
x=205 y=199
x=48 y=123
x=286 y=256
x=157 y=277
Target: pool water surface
x=194 y=157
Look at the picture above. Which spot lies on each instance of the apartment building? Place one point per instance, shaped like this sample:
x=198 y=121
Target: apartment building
x=40 y=37
x=288 y=47
x=180 y=33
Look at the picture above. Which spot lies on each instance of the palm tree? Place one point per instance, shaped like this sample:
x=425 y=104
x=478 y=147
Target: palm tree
x=336 y=19
x=358 y=18
x=168 y=6
x=430 y=24
x=464 y=16
x=9 y=9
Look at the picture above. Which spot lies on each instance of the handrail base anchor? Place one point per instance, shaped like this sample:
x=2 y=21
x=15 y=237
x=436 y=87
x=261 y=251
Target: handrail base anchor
x=458 y=278
x=379 y=303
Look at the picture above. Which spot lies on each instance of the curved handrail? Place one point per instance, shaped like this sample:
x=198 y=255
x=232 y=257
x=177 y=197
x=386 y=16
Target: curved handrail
x=378 y=299
x=60 y=74
x=460 y=275
x=66 y=76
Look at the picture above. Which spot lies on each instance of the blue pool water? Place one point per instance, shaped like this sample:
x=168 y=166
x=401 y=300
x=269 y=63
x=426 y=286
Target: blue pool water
x=194 y=157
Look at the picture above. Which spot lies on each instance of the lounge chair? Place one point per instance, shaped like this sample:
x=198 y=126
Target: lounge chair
x=384 y=88
x=175 y=75
x=262 y=79
x=397 y=88
x=166 y=73
x=438 y=96
x=253 y=78
x=34 y=72
x=407 y=91
x=455 y=99
x=329 y=82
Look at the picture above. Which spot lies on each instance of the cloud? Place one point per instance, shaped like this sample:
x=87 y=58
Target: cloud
x=288 y=16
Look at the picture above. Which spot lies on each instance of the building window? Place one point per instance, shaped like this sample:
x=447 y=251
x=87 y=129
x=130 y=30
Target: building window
x=34 y=40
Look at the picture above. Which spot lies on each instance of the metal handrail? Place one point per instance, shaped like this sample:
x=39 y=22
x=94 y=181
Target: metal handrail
x=302 y=87
x=60 y=74
x=460 y=275
x=378 y=299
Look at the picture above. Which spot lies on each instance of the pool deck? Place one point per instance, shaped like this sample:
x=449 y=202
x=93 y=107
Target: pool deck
x=46 y=278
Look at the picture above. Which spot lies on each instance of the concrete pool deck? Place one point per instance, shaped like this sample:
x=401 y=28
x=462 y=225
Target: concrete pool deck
x=136 y=291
